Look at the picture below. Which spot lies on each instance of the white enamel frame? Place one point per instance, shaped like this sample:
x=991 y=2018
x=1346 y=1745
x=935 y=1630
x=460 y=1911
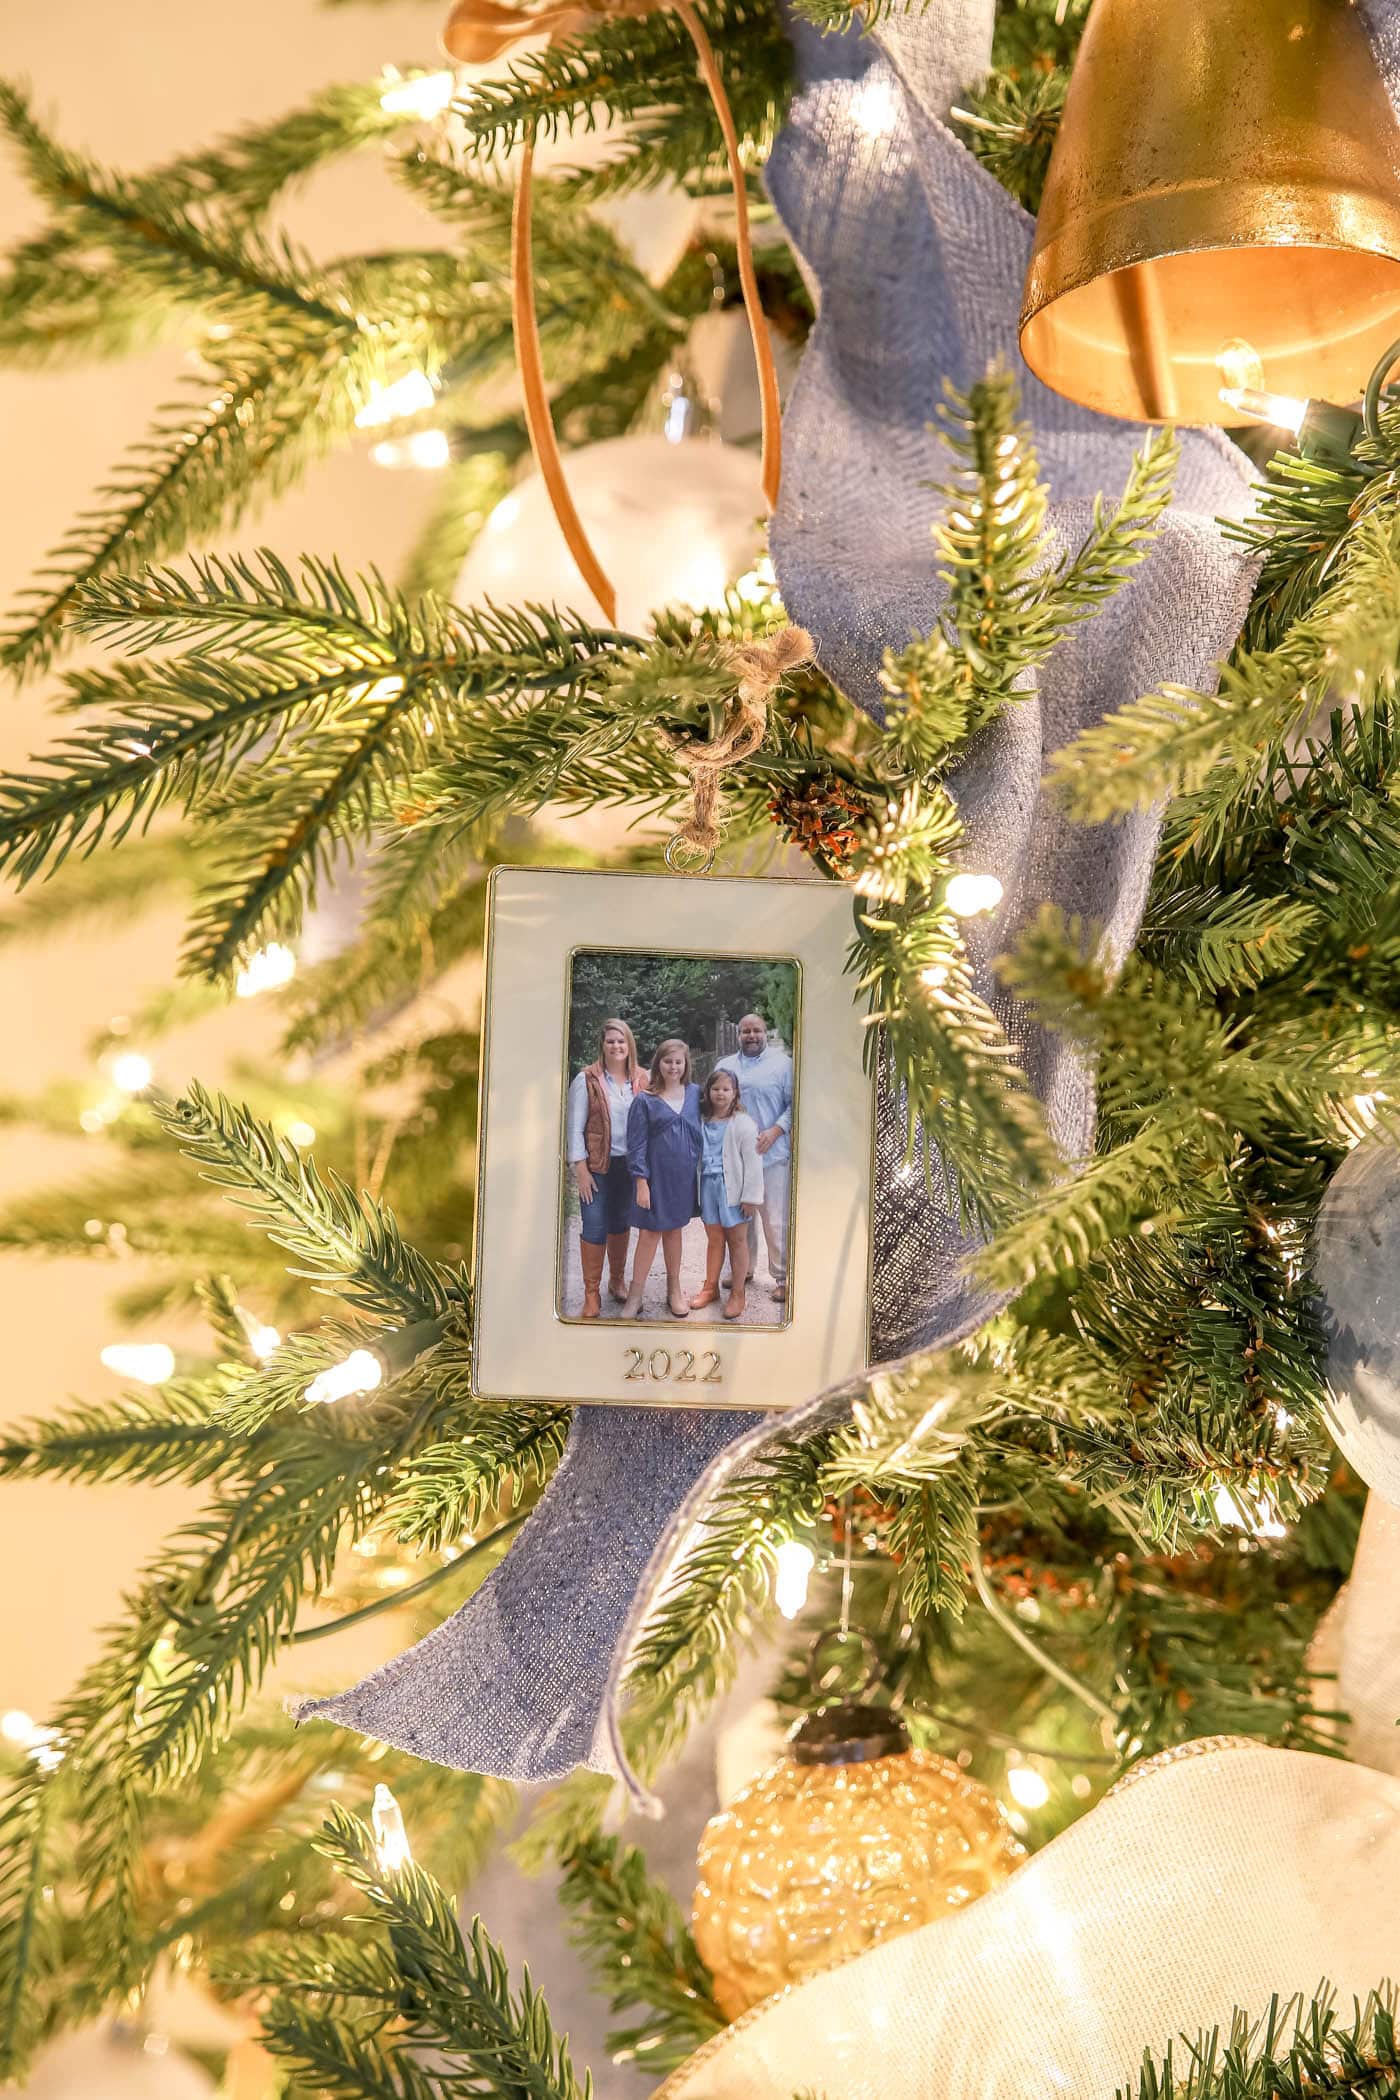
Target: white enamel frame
x=536 y=920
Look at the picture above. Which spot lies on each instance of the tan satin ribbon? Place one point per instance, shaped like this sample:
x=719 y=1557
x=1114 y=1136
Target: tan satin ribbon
x=479 y=31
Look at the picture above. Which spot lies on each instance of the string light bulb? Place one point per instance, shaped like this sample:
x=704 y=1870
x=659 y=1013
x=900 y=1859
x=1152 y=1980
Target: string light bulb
x=1257 y=405
x=265 y=970
x=967 y=894
x=424 y=97
x=406 y=396
x=131 y=1072
x=264 y=1341
x=42 y=1746
x=45 y=1749
x=149 y=1363
x=758 y=585
x=1255 y=1515
x=391 y=1844
x=1026 y=1787
x=360 y=1372
x=421 y=448
x=1321 y=430
x=794 y=1564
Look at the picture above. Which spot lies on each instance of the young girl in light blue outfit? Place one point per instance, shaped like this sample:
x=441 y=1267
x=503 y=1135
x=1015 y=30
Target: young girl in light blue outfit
x=730 y=1188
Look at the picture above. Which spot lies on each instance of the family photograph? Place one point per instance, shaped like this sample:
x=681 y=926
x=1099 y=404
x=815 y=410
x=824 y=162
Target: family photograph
x=679 y=1138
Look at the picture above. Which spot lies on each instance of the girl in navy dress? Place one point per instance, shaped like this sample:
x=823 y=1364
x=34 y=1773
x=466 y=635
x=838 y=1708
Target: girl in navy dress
x=663 y=1156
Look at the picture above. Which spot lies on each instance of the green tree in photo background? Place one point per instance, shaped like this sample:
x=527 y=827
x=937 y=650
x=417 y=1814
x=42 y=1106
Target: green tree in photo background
x=684 y=995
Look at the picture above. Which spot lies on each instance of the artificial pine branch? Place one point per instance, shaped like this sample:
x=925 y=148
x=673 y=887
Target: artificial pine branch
x=455 y=1998
x=198 y=1636
x=1213 y=745
x=599 y=747
x=336 y=669
x=1010 y=122
x=249 y=169
x=1007 y=608
x=956 y=1073
x=1297 y=2050
x=350 y=1244
x=1230 y=943
x=253 y=281
x=429 y=909
x=632 y=1933
x=571 y=251
x=446 y=1490
x=691 y=1641
x=30 y=1937
x=171 y=1434
x=1008 y=604
x=643 y=70
x=248 y=431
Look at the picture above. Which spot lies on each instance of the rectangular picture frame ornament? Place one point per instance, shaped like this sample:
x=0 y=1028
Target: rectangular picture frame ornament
x=528 y=1219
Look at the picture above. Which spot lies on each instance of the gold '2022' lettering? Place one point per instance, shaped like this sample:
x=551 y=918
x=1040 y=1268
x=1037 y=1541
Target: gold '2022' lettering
x=673 y=1367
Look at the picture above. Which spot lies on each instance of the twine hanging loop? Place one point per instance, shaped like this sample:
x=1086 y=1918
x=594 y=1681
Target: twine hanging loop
x=760 y=665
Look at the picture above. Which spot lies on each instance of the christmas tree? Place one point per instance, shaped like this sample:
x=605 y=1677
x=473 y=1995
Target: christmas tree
x=1099 y=1517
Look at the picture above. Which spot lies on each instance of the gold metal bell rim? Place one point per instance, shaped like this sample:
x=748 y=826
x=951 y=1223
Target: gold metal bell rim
x=1145 y=339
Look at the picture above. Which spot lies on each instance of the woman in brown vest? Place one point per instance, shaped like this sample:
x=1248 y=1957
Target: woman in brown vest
x=600 y=1099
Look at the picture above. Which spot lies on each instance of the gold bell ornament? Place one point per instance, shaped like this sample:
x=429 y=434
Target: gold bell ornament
x=853 y=1837
x=1222 y=209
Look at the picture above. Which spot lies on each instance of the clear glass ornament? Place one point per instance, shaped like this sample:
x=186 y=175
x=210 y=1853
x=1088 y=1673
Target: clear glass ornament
x=1356 y=1266
x=851 y=1839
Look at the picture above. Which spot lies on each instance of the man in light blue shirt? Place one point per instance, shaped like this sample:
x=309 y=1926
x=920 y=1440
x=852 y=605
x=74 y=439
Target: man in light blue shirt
x=764 y=1073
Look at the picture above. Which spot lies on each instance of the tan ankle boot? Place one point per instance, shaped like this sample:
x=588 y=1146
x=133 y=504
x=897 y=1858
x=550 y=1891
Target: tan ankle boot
x=709 y=1289
x=617 y=1265
x=592 y=1260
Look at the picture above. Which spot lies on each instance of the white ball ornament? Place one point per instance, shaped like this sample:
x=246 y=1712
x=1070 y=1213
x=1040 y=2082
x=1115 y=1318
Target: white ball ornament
x=671 y=524
x=115 y=2062
x=1356 y=1266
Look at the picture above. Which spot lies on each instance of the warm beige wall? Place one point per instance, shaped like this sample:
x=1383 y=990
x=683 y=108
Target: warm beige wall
x=133 y=84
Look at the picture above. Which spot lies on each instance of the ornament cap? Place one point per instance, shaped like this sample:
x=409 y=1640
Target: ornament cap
x=848 y=1734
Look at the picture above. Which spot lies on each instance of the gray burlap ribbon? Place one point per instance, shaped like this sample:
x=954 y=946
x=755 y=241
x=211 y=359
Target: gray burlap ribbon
x=917 y=256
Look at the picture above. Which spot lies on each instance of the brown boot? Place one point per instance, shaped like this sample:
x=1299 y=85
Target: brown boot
x=714 y=1255
x=617 y=1265
x=592 y=1260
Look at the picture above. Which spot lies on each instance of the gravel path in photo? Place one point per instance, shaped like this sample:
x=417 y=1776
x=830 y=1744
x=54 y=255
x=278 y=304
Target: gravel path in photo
x=762 y=1310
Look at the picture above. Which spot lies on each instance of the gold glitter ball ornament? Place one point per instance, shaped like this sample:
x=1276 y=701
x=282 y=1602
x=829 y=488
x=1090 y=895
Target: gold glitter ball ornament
x=852 y=1838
